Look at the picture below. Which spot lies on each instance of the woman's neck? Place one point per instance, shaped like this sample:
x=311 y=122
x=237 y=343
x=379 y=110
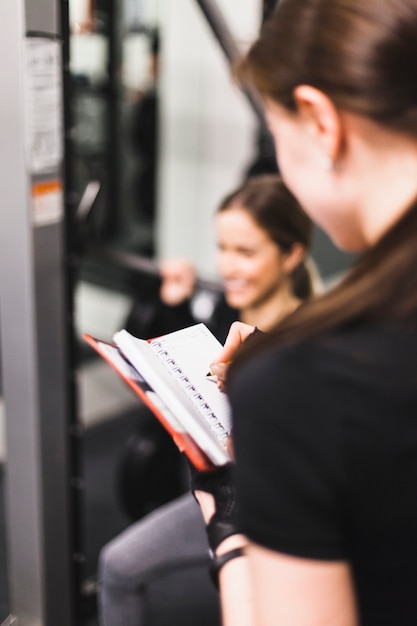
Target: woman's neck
x=267 y=314
x=383 y=170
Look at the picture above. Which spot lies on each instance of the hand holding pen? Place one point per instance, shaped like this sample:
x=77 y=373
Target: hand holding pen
x=238 y=333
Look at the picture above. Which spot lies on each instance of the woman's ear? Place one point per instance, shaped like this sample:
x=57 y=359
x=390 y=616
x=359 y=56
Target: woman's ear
x=323 y=119
x=293 y=258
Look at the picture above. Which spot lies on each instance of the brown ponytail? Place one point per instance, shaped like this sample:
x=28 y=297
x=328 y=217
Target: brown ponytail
x=302 y=282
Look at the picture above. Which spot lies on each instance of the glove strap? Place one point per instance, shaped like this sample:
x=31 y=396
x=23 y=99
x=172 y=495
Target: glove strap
x=219 y=529
x=217 y=562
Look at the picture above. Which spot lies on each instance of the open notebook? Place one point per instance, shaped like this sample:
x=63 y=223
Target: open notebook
x=169 y=375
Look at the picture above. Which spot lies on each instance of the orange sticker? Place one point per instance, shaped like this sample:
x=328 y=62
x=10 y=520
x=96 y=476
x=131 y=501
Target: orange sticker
x=48 y=202
x=46 y=187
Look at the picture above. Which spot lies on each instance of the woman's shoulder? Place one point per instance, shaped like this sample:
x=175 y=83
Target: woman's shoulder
x=381 y=347
x=357 y=373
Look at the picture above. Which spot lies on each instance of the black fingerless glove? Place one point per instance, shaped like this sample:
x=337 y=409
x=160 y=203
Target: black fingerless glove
x=220 y=484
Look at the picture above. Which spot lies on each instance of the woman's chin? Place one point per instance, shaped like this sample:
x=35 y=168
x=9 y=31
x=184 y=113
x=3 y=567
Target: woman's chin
x=237 y=300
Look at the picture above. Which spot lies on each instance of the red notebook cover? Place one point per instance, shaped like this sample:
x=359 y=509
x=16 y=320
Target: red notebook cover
x=183 y=440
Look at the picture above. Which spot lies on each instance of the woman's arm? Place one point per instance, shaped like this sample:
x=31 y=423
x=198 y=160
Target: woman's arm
x=290 y=590
x=267 y=588
x=235 y=586
x=234 y=581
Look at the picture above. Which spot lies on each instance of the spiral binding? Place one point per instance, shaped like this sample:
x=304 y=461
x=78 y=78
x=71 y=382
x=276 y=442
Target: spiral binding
x=191 y=391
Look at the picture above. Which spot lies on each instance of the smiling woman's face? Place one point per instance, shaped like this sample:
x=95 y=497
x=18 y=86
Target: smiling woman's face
x=249 y=262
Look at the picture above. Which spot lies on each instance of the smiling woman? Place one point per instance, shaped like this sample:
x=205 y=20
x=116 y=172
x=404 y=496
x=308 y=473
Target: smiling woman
x=263 y=238
x=251 y=264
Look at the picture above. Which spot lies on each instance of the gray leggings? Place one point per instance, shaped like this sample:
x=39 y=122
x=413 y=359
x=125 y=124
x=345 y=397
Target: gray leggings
x=155 y=572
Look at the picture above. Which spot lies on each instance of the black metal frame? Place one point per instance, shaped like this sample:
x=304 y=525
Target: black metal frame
x=231 y=51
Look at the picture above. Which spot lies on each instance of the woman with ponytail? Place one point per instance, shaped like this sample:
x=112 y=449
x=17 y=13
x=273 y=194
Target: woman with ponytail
x=323 y=527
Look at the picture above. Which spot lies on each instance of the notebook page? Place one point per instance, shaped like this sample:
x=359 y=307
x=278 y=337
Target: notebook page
x=129 y=371
x=187 y=353
x=145 y=360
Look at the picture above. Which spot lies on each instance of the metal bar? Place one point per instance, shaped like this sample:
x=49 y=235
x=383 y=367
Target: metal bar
x=139 y=264
x=76 y=539
x=18 y=345
x=33 y=319
x=231 y=51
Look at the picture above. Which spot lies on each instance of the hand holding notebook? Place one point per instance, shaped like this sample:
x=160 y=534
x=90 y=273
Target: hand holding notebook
x=169 y=374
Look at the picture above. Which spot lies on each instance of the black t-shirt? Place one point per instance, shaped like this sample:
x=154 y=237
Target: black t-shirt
x=325 y=435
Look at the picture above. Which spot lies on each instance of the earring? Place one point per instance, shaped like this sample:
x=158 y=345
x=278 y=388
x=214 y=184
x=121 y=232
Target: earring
x=327 y=162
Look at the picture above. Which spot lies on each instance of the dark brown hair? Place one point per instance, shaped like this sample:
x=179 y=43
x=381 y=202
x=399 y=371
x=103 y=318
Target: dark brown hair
x=274 y=209
x=362 y=54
